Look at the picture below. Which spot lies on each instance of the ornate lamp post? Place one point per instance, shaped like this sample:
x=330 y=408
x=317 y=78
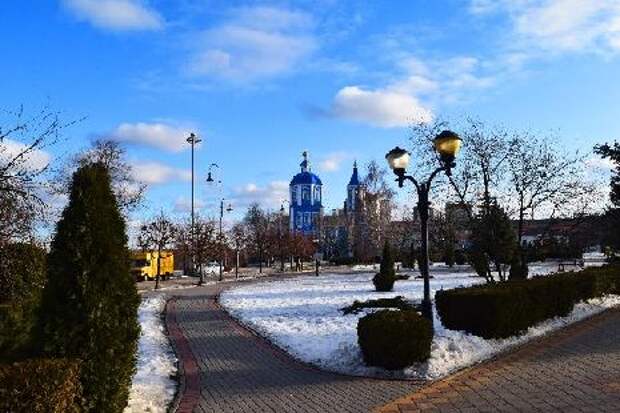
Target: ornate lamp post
x=447 y=145
x=193 y=140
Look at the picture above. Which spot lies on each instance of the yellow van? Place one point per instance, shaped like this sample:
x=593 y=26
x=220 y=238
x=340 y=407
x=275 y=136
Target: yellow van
x=144 y=265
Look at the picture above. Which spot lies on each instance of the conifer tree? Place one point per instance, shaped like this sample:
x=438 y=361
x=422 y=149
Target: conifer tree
x=90 y=303
x=493 y=242
x=384 y=280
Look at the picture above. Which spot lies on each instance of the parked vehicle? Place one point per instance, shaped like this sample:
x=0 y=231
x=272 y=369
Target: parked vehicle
x=212 y=268
x=144 y=265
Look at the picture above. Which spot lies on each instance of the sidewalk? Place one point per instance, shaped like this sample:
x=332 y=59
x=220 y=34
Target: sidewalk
x=574 y=370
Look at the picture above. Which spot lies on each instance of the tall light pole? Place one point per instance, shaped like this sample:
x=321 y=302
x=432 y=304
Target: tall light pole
x=447 y=145
x=281 y=233
x=221 y=229
x=228 y=209
x=193 y=140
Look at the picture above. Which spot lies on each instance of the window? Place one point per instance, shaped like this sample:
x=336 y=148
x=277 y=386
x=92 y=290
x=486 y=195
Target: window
x=307 y=218
x=305 y=193
x=317 y=194
x=293 y=195
x=299 y=220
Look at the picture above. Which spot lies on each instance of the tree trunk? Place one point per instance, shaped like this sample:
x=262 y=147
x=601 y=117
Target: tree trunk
x=158 y=269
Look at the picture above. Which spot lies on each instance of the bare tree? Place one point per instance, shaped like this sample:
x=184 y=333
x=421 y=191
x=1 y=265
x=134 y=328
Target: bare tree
x=157 y=235
x=257 y=224
x=128 y=190
x=24 y=165
x=239 y=237
x=206 y=241
x=545 y=180
x=373 y=213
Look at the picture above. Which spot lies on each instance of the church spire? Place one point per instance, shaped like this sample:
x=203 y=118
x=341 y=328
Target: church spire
x=355 y=180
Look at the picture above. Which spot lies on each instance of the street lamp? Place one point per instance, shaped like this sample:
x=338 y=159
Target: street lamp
x=228 y=209
x=281 y=233
x=447 y=145
x=193 y=140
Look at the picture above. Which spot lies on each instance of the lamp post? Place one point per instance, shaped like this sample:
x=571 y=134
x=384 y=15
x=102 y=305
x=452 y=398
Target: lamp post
x=210 y=180
x=228 y=209
x=193 y=140
x=281 y=234
x=447 y=145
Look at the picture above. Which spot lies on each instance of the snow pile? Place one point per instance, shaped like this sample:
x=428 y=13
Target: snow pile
x=302 y=316
x=153 y=388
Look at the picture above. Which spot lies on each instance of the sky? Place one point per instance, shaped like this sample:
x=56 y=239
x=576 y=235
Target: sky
x=262 y=81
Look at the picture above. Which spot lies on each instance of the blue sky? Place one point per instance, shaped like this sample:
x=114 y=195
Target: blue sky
x=261 y=82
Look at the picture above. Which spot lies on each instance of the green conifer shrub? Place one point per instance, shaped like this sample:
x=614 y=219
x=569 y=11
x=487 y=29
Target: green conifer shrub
x=394 y=339
x=385 y=279
x=89 y=308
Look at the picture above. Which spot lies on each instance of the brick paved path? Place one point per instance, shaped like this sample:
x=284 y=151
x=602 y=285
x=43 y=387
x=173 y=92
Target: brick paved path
x=574 y=370
x=238 y=372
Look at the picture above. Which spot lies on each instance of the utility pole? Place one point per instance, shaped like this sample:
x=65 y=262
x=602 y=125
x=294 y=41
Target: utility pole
x=193 y=140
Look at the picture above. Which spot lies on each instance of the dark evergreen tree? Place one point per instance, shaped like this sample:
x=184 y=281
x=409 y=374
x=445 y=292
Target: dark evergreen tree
x=384 y=280
x=90 y=304
x=493 y=242
x=612 y=217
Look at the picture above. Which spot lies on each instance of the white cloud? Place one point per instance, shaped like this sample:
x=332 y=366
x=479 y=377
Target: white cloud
x=270 y=195
x=559 y=25
x=379 y=107
x=35 y=160
x=257 y=42
x=158 y=135
x=157 y=173
x=333 y=161
x=115 y=15
x=416 y=87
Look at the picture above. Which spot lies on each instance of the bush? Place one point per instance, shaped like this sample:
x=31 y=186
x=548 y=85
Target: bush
x=394 y=339
x=89 y=308
x=396 y=303
x=385 y=279
x=507 y=309
x=459 y=257
x=22 y=277
x=40 y=386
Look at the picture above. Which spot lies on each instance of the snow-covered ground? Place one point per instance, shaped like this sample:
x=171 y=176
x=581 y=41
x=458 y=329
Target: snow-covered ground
x=153 y=387
x=302 y=316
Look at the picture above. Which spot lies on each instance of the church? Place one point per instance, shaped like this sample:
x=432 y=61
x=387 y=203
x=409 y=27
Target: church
x=306 y=214
x=306 y=202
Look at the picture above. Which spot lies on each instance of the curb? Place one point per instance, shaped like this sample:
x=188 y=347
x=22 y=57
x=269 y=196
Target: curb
x=188 y=394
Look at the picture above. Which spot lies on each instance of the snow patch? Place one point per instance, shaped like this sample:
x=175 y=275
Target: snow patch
x=303 y=317
x=153 y=387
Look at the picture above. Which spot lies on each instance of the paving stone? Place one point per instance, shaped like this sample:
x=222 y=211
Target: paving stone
x=576 y=369
x=240 y=372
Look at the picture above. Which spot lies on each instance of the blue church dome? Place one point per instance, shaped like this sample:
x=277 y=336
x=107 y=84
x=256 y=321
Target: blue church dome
x=306 y=207
x=306 y=178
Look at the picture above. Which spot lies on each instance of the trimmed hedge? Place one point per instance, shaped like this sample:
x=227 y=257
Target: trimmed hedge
x=40 y=386
x=394 y=339
x=507 y=309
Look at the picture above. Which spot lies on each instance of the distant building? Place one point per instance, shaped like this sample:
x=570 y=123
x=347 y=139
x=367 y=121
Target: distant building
x=306 y=202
